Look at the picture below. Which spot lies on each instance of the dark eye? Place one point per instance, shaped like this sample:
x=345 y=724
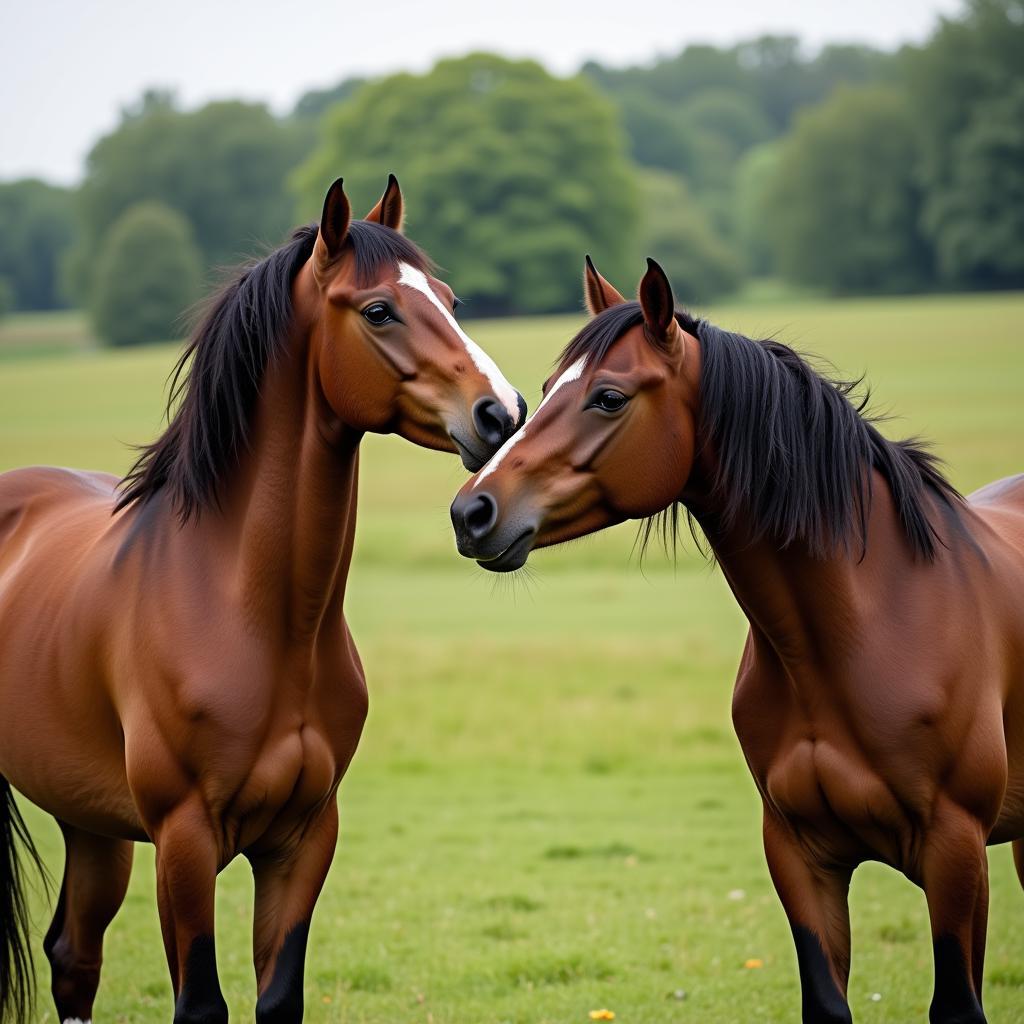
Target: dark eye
x=378 y=314
x=456 y=302
x=609 y=400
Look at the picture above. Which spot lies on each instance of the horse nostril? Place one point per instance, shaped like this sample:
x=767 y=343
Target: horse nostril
x=492 y=421
x=480 y=515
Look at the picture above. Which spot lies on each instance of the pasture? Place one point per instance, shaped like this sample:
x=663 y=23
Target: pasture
x=549 y=813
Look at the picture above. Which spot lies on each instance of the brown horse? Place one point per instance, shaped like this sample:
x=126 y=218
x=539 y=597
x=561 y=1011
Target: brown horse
x=175 y=664
x=880 y=697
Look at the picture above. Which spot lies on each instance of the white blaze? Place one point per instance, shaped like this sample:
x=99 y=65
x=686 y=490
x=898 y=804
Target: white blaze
x=574 y=372
x=503 y=391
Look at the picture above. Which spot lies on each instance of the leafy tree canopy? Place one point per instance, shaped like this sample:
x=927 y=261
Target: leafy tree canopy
x=222 y=167
x=312 y=104
x=36 y=228
x=965 y=86
x=676 y=232
x=147 y=276
x=844 y=206
x=511 y=175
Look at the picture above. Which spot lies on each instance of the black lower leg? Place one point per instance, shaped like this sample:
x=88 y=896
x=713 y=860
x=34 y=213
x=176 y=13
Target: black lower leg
x=200 y=1000
x=823 y=1001
x=954 y=1001
x=281 y=1001
x=72 y=982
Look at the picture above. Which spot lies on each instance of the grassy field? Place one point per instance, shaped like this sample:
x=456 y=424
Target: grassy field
x=549 y=813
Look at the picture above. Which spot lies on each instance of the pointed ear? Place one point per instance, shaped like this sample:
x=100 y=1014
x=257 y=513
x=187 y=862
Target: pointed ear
x=334 y=222
x=390 y=211
x=597 y=291
x=658 y=305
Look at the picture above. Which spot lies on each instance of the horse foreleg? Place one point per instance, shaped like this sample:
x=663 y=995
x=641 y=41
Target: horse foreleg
x=954 y=873
x=288 y=884
x=815 y=899
x=186 y=869
x=96 y=873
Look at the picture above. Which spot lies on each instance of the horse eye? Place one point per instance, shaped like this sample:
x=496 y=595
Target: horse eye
x=378 y=314
x=456 y=302
x=610 y=400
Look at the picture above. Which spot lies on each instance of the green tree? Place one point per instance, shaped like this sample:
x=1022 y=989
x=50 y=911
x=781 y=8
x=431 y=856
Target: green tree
x=36 y=228
x=511 y=174
x=730 y=116
x=850 y=64
x=311 y=105
x=777 y=76
x=844 y=206
x=147 y=275
x=6 y=297
x=673 y=79
x=658 y=136
x=697 y=113
x=978 y=218
x=770 y=75
x=222 y=167
x=751 y=214
x=964 y=85
x=675 y=231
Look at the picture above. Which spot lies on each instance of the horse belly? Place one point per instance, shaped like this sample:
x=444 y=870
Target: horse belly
x=60 y=740
x=1010 y=823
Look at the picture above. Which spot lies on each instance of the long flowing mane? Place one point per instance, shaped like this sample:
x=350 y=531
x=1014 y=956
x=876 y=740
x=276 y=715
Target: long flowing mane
x=215 y=383
x=792 y=445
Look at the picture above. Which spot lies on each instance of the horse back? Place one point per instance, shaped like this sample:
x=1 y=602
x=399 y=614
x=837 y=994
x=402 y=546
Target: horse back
x=1005 y=493
x=1000 y=505
x=32 y=498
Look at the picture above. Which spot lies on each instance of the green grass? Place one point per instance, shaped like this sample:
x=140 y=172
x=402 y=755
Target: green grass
x=549 y=812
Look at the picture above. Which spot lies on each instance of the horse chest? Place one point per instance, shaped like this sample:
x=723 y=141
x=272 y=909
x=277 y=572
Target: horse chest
x=292 y=778
x=814 y=776
x=311 y=732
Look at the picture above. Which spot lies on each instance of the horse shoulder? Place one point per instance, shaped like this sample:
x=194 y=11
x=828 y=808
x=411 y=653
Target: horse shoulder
x=760 y=704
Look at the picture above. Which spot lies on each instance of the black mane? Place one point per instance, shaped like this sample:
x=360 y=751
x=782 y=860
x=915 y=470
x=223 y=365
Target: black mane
x=792 y=447
x=215 y=383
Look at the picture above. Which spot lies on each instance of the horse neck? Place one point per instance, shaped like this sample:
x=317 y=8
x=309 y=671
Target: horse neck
x=290 y=516
x=806 y=607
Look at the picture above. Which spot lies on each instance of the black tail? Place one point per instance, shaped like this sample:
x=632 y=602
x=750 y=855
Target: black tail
x=17 y=975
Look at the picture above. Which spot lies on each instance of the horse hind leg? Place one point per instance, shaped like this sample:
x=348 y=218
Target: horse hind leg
x=96 y=873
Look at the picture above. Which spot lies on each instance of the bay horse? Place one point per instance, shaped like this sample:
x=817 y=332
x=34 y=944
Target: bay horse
x=880 y=695
x=175 y=665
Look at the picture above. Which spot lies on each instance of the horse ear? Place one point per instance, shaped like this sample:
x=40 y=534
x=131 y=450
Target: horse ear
x=600 y=295
x=390 y=210
x=658 y=305
x=334 y=222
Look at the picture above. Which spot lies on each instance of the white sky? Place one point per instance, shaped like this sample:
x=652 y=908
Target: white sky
x=68 y=66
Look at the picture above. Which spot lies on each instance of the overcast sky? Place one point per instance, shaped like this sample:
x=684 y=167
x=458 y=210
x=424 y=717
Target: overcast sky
x=67 y=67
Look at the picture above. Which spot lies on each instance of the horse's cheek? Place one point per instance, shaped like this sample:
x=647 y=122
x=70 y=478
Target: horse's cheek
x=641 y=479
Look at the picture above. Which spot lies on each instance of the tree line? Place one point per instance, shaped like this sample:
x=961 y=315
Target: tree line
x=851 y=171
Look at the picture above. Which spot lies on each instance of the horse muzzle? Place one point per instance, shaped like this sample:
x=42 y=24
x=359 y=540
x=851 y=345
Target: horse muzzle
x=497 y=546
x=492 y=426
